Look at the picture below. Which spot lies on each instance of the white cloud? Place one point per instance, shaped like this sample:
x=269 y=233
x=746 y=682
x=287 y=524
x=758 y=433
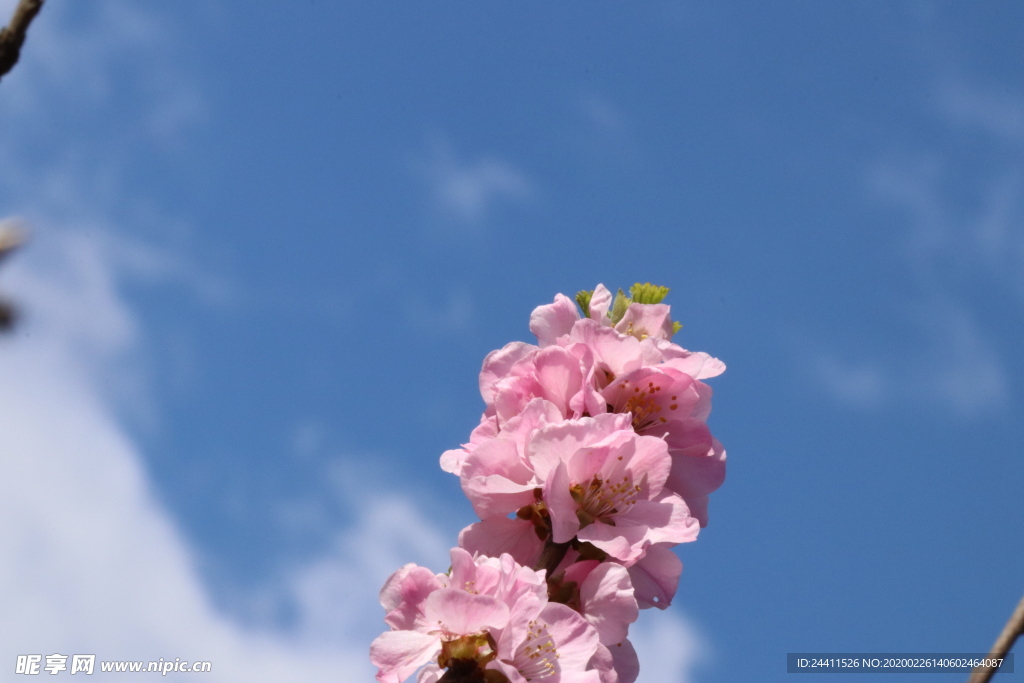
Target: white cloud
x=468 y=190
x=91 y=563
x=669 y=647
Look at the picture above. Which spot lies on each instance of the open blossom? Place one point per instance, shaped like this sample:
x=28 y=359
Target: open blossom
x=488 y=614
x=587 y=366
x=595 y=479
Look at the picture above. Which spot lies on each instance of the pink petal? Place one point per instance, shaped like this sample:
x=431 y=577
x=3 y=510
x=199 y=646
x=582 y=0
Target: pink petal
x=559 y=376
x=627 y=664
x=590 y=676
x=667 y=518
x=616 y=663
x=579 y=571
x=600 y=302
x=608 y=603
x=498 y=363
x=512 y=394
x=536 y=414
x=650 y=457
x=431 y=673
x=646 y=320
x=556 y=443
x=451 y=460
x=552 y=321
x=497 y=535
x=604 y=664
x=698 y=365
x=655 y=577
x=391 y=593
x=695 y=476
x=460 y=613
x=624 y=541
x=496 y=479
x=574 y=637
x=564 y=523
x=414 y=588
x=399 y=653
x=615 y=352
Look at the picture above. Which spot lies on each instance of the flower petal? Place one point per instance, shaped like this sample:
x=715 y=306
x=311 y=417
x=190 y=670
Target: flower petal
x=606 y=597
x=498 y=535
x=564 y=523
x=552 y=321
x=457 y=612
x=399 y=653
x=655 y=577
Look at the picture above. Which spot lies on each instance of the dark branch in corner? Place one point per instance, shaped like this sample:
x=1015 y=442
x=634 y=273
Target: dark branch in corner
x=12 y=36
x=1013 y=629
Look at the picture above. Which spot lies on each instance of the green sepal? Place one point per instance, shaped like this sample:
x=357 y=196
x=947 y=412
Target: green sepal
x=676 y=326
x=646 y=293
x=619 y=307
x=583 y=299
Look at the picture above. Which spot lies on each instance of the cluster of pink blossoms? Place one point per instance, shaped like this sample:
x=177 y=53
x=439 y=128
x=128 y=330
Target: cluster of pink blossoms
x=592 y=459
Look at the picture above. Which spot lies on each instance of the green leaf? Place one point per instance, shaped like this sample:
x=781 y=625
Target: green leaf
x=676 y=326
x=646 y=293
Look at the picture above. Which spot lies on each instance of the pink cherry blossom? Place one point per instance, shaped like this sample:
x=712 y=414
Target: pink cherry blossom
x=669 y=403
x=596 y=480
x=446 y=615
x=488 y=613
x=610 y=492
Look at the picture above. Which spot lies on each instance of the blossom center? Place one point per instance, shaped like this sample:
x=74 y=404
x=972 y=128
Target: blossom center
x=537 y=657
x=601 y=500
x=642 y=402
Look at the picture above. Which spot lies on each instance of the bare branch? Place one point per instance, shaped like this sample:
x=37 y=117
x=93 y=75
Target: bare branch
x=12 y=236
x=1014 y=627
x=12 y=36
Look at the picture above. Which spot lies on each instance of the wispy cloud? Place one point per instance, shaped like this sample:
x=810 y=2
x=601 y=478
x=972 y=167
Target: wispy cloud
x=955 y=367
x=468 y=190
x=964 y=234
x=997 y=111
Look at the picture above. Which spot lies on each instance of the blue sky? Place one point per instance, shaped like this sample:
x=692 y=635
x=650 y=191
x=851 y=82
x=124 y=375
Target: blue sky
x=273 y=242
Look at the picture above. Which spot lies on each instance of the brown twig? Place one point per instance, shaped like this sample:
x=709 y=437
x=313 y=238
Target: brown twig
x=11 y=237
x=1014 y=627
x=12 y=36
